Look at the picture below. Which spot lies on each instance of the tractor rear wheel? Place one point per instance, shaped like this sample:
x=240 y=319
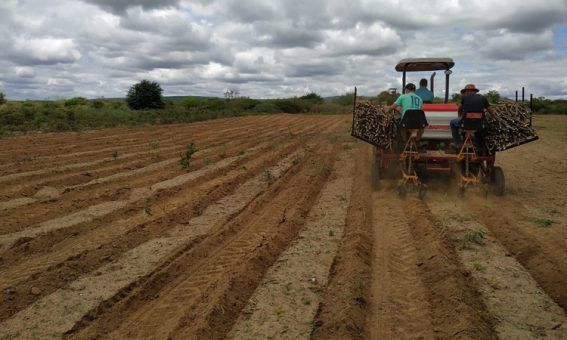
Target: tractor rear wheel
x=497 y=181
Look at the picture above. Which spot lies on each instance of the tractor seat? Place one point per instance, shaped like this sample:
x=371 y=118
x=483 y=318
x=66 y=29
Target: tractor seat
x=472 y=121
x=414 y=119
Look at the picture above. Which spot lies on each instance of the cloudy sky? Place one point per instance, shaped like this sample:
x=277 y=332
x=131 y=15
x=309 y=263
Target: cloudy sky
x=274 y=49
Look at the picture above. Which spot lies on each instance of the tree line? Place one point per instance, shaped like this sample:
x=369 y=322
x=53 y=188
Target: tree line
x=145 y=105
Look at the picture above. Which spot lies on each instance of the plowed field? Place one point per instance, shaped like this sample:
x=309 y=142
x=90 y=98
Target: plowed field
x=271 y=230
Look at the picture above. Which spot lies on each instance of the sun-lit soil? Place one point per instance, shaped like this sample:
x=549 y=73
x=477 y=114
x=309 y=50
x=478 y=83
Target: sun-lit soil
x=271 y=230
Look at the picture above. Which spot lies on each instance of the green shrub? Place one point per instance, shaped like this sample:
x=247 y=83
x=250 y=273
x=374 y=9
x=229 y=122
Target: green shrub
x=2 y=98
x=313 y=97
x=97 y=104
x=266 y=108
x=241 y=104
x=145 y=95
x=214 y=104
x=191 y=102
x=75 y=101
x=289 y=105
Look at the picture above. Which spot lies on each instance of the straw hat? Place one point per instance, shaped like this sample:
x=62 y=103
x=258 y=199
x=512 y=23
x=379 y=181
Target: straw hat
x=469 y=87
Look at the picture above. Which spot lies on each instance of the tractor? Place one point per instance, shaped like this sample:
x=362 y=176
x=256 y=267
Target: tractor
x=475 y=162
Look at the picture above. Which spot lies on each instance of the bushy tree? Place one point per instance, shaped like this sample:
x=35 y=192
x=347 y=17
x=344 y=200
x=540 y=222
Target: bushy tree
x=2 y=98
x=191 y=102
x=145 y=95
x=75 y=101
x=493 y=96
x=346 y=99
x=314 y=97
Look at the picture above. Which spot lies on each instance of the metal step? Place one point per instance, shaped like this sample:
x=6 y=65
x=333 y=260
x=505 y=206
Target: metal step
x=435 y=167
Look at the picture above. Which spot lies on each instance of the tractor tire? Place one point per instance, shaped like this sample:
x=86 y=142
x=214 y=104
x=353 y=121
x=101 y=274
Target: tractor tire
x=497 y=181
x=375 y=169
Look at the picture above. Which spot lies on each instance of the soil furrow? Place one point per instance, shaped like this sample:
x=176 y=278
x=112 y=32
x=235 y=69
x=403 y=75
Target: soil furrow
x=510 y=293
x=85 y=197
x=134 y=230
x=53 y=171
x=400 y=309
x=233 y=257
x=344 y=307
x=88 y=291
x=285 y=303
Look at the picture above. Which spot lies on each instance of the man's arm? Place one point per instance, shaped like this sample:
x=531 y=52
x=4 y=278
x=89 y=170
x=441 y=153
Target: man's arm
x=393 y=107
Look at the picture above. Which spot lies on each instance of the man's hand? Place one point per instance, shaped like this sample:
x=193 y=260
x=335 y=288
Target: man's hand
x=392 y=107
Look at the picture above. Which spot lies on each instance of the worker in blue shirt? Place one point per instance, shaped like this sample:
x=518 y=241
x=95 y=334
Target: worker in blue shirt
x=407 y=101
x=423 y=92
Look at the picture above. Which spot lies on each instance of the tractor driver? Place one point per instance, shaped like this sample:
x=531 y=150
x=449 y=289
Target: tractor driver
x=425 y=94
x=407 y=101
x=471 y=102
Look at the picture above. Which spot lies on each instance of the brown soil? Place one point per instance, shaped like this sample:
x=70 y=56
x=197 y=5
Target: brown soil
x=272 y=232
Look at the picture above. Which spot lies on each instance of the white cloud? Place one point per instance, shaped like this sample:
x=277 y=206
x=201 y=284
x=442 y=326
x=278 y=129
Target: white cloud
x=274 y=48
x=46 y=50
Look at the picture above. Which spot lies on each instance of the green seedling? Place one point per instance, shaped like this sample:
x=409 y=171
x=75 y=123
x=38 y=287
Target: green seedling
x=476 y=236
x=325 y=168
x=359 y=291
x=296 y=160
x=478 y=267
x=542 y=221
x=242 y=152
x=268 y=176
x=185 y=160
x=114 y=154
x=207 y=161
x=154 y=144
x=461 y=218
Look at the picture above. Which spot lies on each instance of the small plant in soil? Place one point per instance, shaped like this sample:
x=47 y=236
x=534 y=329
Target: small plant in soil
x=325 y=168
x=241 y=152
x=476 y=237
x=296 y=159
x=268 y=176
x=154 y=144
x=359 y=291
x=148 y=208
x=542 y=221
x=461 y=218
x=478 y=267
x=207 y=161
x=114 y=154
x=185 y=160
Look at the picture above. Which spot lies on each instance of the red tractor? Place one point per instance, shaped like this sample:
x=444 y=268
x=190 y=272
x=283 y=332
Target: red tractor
x=475 y=162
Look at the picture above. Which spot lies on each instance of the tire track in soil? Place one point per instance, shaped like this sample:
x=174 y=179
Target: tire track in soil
x=61 y=272
x=82 y=198
x=216 y=277
x=512 y=296
x=457 y=311
x=57 y=313
x=399 y=306
x=535 y=249
x=342 y=312
x=285 y=303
